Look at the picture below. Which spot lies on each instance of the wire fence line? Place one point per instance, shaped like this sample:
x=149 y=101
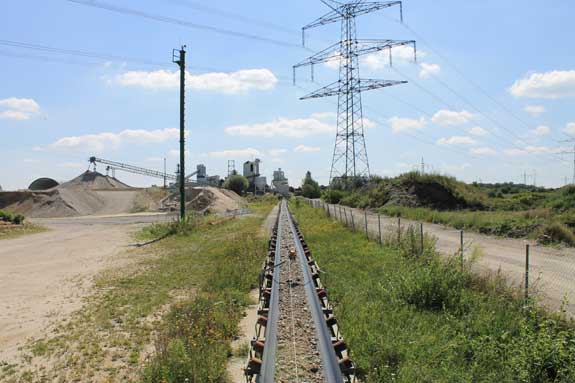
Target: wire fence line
x=544 y=273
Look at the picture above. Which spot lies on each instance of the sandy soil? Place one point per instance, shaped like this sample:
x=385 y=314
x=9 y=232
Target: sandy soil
x=43 y=277
x=552 y=270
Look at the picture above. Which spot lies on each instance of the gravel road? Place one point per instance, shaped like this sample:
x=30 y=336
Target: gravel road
x=43 y=277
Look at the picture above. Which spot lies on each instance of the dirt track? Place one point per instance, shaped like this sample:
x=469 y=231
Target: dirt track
x=552 y=270
x=43 y=277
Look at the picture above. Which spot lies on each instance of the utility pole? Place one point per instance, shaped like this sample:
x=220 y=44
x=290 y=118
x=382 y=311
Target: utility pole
x=350 y=161
x=422 y=166
x=534 y=177
x=525 y=178
x=179 y=57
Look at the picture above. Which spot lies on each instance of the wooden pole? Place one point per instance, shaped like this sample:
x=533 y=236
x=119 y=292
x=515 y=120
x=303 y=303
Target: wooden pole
x=366 y=224
x=379 y=227
x=527 y=250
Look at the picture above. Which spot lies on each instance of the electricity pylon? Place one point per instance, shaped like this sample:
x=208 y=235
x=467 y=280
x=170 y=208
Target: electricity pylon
x=350 y=161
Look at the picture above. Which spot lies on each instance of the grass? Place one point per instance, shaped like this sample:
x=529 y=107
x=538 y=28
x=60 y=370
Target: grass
x=420 y=318
x=168 y=317
x=15 y=231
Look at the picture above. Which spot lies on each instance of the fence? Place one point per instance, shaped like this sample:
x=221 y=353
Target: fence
x=388 y=230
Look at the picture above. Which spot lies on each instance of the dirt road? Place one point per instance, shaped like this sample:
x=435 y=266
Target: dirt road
x=552 y=271
x=43 y=277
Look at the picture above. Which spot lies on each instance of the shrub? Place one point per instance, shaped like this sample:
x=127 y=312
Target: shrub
x=237 y=183
x=557 y=232
x=310 y=188
x=333 y=196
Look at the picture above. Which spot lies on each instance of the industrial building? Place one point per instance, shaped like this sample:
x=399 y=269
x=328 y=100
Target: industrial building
x=258 y=184
x=280 y=183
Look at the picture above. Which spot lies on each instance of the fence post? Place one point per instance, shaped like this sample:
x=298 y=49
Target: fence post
x=345 y=213
x=328 y=212
x=421 y=236
x=399 y=230
x=527 y=250
x=462 y=252
x=379 y=227
x=340 y=215
x=366 y=228
x=352 y=219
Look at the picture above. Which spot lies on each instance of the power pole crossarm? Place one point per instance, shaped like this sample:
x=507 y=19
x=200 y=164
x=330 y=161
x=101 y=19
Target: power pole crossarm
x=361 y=48
x=362 y=85
x=356 y=8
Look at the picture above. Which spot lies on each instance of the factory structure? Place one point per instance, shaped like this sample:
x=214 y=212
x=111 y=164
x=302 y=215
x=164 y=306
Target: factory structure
x=280 y=183
x=258 y=184
x=251 y=171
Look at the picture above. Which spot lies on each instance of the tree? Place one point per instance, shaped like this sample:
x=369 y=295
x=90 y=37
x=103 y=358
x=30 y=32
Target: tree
x=237 y=183
x=310 y=188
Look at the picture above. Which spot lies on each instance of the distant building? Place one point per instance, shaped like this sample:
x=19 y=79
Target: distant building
x=258 y=184
x=280 y=183
x=252 y=169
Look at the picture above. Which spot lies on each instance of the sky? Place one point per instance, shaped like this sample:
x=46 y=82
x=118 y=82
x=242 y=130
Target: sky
x=490 y=97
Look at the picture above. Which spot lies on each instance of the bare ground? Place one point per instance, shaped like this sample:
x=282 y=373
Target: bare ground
x=44 y=277
x=552 y=270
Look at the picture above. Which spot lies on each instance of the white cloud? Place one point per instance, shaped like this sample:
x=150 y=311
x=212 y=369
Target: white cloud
x=428 y=70
x=542 y=131
x=534 y=110
x=228 y=83
x=452 y=118
x=18 y=108
x=485 y=151
x=478 y=132
x=101 y=141
x=285 y=127
x=456 y=140
x=233 y=153
x=399 y=124
x=549 y=85
x=14 y=115
x=306 y=149
x=334 y=64
x=21 y=104
x=570 y=128
x=380 y=60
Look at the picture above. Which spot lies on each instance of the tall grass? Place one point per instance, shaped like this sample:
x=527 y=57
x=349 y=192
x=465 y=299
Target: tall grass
x=410 y=316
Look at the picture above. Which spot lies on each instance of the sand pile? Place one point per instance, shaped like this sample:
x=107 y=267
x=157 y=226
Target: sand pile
x=91 y=193
x=207 y=199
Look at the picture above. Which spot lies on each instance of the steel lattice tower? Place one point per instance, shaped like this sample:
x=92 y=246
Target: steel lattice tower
x=350 y=160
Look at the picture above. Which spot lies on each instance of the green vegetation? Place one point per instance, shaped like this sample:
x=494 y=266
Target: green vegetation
x=516 y=211
x=237 y=183
x=14 y=225
x=412 y=316
x=168 y=317
x=309 y=187
x=15 y=219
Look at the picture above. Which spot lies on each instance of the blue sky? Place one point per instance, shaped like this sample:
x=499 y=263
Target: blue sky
x=489 y=99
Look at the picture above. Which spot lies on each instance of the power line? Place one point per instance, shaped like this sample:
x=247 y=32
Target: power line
x=183 y=23
x=477 y=86
x=232 y=15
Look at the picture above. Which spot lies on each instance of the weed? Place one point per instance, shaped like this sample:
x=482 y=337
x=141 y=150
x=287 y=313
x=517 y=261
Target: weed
x=412 y=317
